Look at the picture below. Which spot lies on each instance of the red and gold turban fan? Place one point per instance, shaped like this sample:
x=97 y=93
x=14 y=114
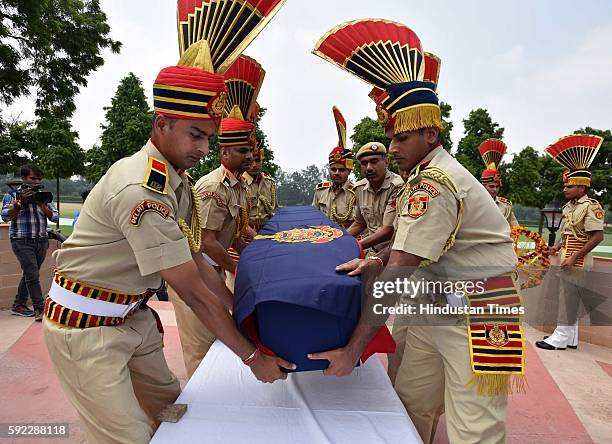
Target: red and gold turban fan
x=492 y=151
x=340 y=153
x=389 y=56
x=243 y=81
x=576 y=152
x=212 y=35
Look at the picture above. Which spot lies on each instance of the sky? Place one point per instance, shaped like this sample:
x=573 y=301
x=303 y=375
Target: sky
x=542 y=68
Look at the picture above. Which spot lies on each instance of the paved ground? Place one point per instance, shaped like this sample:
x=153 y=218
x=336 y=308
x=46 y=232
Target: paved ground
x=569 y=398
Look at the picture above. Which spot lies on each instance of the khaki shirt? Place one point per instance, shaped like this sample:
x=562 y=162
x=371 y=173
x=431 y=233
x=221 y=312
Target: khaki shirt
x=262 y=198
x=223 y=203
x=580 y=217
x=505 y=206
x=127 y=233
x=341 y=202
x=427 y=215
x=375 y=209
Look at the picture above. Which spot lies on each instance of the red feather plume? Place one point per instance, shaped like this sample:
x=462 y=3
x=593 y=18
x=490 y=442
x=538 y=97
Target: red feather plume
x=492 y=151
x=243 y=80
x=576 y=151
x=340 y=126
x=380 y=52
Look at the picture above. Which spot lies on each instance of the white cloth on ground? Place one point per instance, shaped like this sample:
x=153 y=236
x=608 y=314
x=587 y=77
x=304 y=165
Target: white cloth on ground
x=226 y=404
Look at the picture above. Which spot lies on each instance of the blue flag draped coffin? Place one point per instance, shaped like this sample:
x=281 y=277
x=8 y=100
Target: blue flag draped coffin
x=288 y=295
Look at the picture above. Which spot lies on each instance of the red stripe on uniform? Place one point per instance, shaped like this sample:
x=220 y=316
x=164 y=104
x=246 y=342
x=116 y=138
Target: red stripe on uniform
x=497 y=283
x=497 y=359
x=58 y=312
x=73 y=318
x=160 y=166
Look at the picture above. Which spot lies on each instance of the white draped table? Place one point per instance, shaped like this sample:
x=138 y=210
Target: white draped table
x=227 y=405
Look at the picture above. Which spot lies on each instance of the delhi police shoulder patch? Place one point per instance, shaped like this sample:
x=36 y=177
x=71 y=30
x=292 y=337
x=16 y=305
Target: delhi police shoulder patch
x=145 y=206
x=156 y=177
x=418 y=198
x=211 y=195
x=322 y=185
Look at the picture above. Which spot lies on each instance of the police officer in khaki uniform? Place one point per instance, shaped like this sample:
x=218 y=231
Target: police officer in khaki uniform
x=374 y=211
x=336 y=199
x=581 y=231
x=492 y=151
x=224 y=208
x=138 y=226
x=261 y=190
x=446 y=222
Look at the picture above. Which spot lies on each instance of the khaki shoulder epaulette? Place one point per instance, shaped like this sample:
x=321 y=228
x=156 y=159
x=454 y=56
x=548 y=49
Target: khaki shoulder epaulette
x=350 y=186
x=322 y=185
x=361 y=182
x=504 y=200
x=397 y=180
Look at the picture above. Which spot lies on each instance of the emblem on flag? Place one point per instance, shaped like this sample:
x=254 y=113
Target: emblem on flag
x=319 y=234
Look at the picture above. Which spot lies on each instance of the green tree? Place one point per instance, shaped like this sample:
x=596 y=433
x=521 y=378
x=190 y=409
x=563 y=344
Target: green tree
x=126 y=129
x=51 y=46
x=269 y=167
x=601 y=167
x=550 y=185
x=477 y=128
x=519 y=177
x=15 y=144
x=297 y=188
x=58 y=153
x=445 y=134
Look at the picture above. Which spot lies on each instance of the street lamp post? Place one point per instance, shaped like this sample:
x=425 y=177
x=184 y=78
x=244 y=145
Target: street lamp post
x=552 y=214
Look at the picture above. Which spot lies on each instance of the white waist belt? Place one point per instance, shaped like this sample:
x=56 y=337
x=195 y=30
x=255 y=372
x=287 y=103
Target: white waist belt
x=208 y=259
x=87 y=305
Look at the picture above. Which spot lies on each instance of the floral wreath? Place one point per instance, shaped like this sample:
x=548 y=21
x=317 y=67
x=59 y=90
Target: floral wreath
x=533 y=263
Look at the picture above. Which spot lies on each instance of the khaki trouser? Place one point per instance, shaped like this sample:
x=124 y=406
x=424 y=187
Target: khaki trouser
x=395 y=359
x=113 y=376
x=196 y=339
x=431 y=380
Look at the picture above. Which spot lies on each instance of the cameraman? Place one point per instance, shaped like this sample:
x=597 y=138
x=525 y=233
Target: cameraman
x=28 y=233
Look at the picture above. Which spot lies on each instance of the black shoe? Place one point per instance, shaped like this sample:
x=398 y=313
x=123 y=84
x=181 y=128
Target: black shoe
x=38 y=315
x=547 y=346
x=573 y=347
x=22 y=310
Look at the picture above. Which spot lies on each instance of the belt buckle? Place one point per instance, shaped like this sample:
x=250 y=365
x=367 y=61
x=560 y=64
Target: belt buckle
x=132 y=310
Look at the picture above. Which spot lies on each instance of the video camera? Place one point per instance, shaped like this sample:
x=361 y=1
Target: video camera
x=37 y=196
